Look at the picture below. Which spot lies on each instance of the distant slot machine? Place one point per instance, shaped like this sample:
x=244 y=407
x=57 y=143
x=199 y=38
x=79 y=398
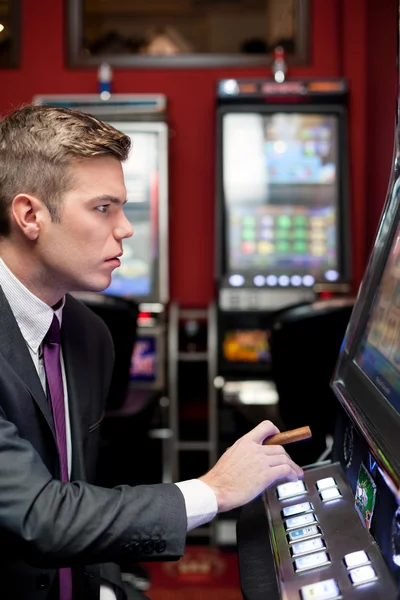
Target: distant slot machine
x=282 y=222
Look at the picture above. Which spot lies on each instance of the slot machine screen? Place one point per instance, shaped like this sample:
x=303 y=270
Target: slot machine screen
x=246 y=345
x=281 y=192
x=137 y=275
x=144 y=360
x=367 y=376
x=378 y=354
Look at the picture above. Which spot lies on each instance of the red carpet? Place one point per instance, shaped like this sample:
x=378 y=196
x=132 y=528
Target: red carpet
x=202 y=574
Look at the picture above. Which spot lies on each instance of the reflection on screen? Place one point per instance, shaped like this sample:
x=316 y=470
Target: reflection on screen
x=135 y=277
x=280 y=185
x=379 y=352
x=247 y=345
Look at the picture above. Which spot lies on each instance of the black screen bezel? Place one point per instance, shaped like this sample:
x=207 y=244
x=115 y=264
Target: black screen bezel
x=343 y=232
x=370 y=411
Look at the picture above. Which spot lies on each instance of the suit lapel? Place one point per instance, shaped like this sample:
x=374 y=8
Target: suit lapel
x=78 y=384
x=14 y=349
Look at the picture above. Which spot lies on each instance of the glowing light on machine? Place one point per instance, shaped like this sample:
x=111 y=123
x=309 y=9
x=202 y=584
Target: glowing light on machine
x=279 y=67
x=295 y=280
x=331 y=275
x=396 y=559
x=259 y=280
x=1 y=27
x=308 y=280
x=146 y=319
x=272 y=280
x=104 y=76
x=230 y=87
x=284 y=280
x=236 y=280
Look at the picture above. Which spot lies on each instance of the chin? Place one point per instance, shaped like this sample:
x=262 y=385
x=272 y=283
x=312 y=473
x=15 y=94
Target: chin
x=92 y=286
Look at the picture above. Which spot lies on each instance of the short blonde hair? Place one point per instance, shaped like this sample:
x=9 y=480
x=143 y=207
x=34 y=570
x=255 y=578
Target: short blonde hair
x=37 y=147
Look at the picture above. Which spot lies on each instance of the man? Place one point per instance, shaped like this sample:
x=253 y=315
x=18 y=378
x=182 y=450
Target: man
x=61 y=229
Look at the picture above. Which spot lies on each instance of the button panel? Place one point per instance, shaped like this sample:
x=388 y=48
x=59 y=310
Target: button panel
x=362 y=575
x=297 y=509
x=300 y=521
x=308 y=546
x=291 y=489
x=327 y=482
x=323 y=590
x=303 y=533
x=311 y=561
x=356 y=559
x=332 y=493
x=312 y=551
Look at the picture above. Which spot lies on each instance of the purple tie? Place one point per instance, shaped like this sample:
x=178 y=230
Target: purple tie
x=55 y=392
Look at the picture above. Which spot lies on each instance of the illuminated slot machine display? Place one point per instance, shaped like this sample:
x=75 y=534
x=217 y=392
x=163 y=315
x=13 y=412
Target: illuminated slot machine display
x=336 y=534
x=282 y=224
x=143 y=274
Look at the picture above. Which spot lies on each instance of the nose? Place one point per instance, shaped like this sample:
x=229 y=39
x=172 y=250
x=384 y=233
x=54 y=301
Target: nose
x=123 y=228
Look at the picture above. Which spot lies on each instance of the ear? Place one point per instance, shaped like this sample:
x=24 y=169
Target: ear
x=27 y=213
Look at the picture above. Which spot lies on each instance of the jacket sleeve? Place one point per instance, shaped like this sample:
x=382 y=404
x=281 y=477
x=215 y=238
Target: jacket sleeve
x=78 y=523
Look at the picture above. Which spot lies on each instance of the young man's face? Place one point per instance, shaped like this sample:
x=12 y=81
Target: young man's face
x=79 y=252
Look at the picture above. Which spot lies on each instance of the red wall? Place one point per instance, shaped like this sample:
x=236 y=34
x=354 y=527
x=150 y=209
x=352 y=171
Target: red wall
x=353 y=39
x=381 y=105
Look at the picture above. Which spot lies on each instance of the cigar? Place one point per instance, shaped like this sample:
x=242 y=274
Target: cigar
x=288 y=437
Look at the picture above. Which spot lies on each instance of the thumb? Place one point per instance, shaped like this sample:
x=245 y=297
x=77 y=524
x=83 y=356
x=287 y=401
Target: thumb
x=262 y=431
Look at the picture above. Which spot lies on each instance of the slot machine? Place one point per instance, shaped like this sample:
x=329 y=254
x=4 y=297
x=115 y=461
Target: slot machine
x=282 y=226
x=336 y=533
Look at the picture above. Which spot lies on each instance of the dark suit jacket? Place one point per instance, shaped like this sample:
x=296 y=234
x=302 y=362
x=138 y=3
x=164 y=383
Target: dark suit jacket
x=45 y=524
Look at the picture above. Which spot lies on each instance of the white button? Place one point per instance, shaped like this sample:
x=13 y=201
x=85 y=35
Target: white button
x=303 y=533
x=325 y=483
x=296 y=509
x=330 y=494
x=362 y=575
x=307 y=546
x=355 y=559
x=323 y=590
x=292 y=488
x=311 y=561
x=300 y=521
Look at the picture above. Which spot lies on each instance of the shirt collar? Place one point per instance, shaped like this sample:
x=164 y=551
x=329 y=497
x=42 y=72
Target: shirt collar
x=33 y=316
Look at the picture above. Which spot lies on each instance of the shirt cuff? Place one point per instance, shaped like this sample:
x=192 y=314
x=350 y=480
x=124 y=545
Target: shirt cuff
x=107 y=591
x=200 y=500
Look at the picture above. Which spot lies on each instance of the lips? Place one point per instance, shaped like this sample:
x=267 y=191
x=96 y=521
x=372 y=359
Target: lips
x=116 y=257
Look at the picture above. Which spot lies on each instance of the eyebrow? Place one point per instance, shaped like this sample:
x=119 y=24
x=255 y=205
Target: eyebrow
x=107 y=198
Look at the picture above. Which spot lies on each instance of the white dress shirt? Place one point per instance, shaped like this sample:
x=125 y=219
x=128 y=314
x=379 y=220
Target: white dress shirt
x=34 y=318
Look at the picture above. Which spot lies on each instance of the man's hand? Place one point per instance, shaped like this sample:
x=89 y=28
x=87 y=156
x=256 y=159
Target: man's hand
x=248 y=467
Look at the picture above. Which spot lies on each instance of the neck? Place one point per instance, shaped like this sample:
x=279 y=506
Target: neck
x=30 y=272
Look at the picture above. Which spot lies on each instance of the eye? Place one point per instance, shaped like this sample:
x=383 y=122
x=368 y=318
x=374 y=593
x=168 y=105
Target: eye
x=102 y=208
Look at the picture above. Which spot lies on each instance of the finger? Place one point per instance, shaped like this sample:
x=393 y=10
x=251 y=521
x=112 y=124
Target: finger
x=279 y=459
x=262 y=431
x=274 y=450
x=280 y=451
x=283 y=472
